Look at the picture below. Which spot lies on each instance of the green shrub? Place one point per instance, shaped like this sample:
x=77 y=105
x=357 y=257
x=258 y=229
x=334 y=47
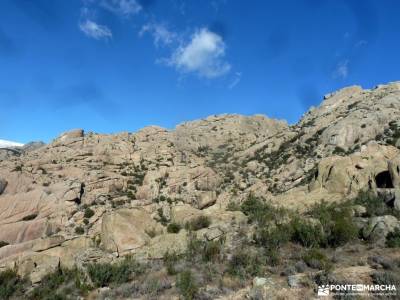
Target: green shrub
x=314 y=258
x=260 y=212
x=342 y=230
x=233 y=206
x=88 y=213
x=61 y=284
x=386 y=278
x=211 y=250
x=337 y=223
x=254 y=208
x=17 y=169
x=245 y=264
x=131 y=195
x=79 y=230
x=194 y=246
x=306 y=233
x=11 y=285
x=272 y=238
x=173 y=228
x=374 y=205
x=393 y=239
x=198 y=223
x=187 y=285
x=163 y=219
x=201 y=250
x=338 y=151
x=272 y=257
x=170 y=260
x=105 y=274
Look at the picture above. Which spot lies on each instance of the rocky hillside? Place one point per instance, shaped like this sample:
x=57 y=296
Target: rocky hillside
x=227 y=207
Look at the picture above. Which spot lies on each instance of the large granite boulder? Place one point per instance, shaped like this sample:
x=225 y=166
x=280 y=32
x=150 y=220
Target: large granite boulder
x=126 y=230
x=378 y=228
x=367 y=169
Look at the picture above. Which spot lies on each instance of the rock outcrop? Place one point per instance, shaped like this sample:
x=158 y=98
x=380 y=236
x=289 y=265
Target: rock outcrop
x=88 y=197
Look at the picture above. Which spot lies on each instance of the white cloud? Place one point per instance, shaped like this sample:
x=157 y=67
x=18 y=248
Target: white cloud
x=342 y=70
x=161 y=34
x=8 y=144
x=361 y=43
x=204 y=55
x=94 y=30
x=122 y=7
x=236 y=80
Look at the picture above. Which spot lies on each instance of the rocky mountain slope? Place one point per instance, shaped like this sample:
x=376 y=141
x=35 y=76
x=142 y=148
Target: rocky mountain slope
x=87 y=201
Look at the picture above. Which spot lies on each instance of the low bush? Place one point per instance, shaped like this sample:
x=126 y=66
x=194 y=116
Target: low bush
x=233 y=206
x=374 y=205
x=163 y=219
x=17 y=169
x=61 y=284
x=261 y=212
x=212 y=250
x=306 y=233
x=198 y=223
x=273 y=237
x=173 y=228
x=337 y=224
x=272 y=257
x=170 y=260
x=314 y=258
x=151 y=288
x=201 y=250
x=88 y=213
x=393 y=239
x=105 y=274
x=79 y=230
x=342 y=229
x=245 y=264
x=386 y=278
x=11 y=285
x=193 y=250
x=186 y=285
x=338 y=151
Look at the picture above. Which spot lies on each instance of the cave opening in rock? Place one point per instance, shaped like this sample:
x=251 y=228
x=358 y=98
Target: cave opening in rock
x=384 y=180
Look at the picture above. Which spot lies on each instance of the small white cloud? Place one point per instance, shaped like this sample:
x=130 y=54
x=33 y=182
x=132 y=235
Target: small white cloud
x=204 y=55
x=122 y=7
x=94 y=30
x=161 y=34
x=342 y=70
x=361 y=43
x=236 y=80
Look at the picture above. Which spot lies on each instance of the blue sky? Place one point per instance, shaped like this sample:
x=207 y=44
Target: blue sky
x=119 y=65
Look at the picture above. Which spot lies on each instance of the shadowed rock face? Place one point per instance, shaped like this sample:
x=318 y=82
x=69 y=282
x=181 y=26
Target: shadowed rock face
x=89 y=195
x=3 y=184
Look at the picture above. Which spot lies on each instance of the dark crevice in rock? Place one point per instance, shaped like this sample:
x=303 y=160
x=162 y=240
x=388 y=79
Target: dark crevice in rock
x=384 y=180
